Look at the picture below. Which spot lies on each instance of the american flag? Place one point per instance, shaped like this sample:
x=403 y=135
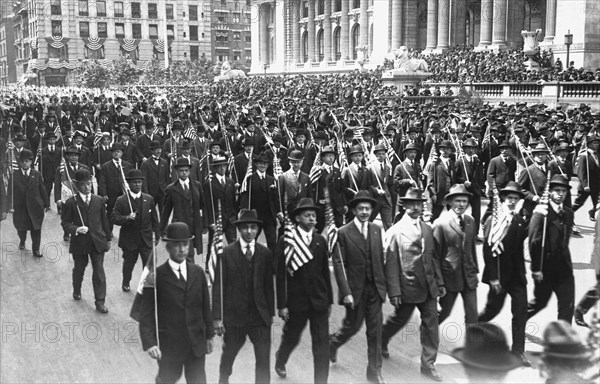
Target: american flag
x=332 y=231
x=12 y=159
x=216 y=250
x=97 y=137
x=296 y=251
x=315 y=171
x=244 y=187
x=190 y=133
x=57 y=131
x=500 y=222
x=146 y=281
x=342 y=160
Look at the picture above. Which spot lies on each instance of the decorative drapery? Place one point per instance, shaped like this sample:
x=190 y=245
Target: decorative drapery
x=57 y=42
x=129 y=44
x=43 y=64
x=159 y=44
x=93 y=43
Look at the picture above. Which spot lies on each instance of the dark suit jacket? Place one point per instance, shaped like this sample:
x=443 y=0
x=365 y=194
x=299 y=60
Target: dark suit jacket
x=156 y=178
x=184 y=316
x=29 y=199
x=455 y=250
x=235 y=306
x=556 y=250
x=350 y=263
x=241 y=166
x=136 y=233
x=101 y=156
x=86 y=156
x=185 y=209
x=532 y=186
x=296 y=189
x=474 y=174
x=143 y=144
x=406 y=245
x=593 y=181
x=61 y=177
x=500 y=171
x=111 y=178
x=224 y=194
x=509 y=265
x=94 y=217
x=402 y=180
x=440 y=180
x=375 y=179
x=333 y=181
x=309 y=286
x=354 y=181
x=263 y=191
x=195 y=170
x=50 y=163
x=132 y=154
x=282 y=155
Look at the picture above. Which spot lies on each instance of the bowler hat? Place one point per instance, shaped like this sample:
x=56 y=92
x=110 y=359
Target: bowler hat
x=50 y=135
x=305 y=204
x=117 y=147
x=26 y=154
x=362 y=196
x=185 y=145
x=177 y=231
x=134 y=174
x=559 y=180
x=177 y=125
x=486 y=348
x=247 y=141
x=82 y=175
x=261 y=158
x=19 y=137
x=457 y=190
x=278 y=138
x=182 y=162
x=247 y=216
x=296 y=155
x=320 y=135
x=413 y=194
x=42 y=124
x=154 y=145
x=72 y=150
x=563 y=342
x=356 y=149
x=512 y=187
x=563 y=147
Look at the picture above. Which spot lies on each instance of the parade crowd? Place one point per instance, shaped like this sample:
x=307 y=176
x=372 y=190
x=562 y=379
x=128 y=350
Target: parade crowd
x=312 y=162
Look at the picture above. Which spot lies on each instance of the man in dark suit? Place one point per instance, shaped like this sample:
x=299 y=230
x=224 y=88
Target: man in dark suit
x=220 y=189
x=330 y=178
x=454 y=236
x=184 y=198
x=244 y=286
x=84 y=218
x=354 y=176
x=407 y=175
x=131 y=153
x=553 y=270
x=135 y=212
x=51 y=158
x=469 y=171
x=261 y=195
x=196 y=169
x=533 y=179
x=30 y=202
x=85 y=156
x=242 y=160
x=304 y=291
x=440 y=178
x=110 y=183
x=184 y=320
x=156 y=175
x=119 y=117
x=358 y=267
x=504 y=269
x=588 y=172
x=104 y=122
x=379 y=183
x=144 y=141
x=277 y=150
x=414 y=279
x=102 y=152
x=308 y=151
x=294 y=184
x=501 y=170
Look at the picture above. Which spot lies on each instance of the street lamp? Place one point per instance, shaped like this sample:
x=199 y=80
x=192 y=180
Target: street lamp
x=265 y=66
x=568 y=42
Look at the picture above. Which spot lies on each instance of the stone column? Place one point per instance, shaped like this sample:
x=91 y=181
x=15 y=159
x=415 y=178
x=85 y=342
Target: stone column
x=432 y=14
x=397 y=23
x=381 y=14
x=550 y=21
x=345 y=32
x=516 y=24
x=296 y=44
x=256 y=64
x=499 y=24
x=487 y=17
x=443 y=22
x=311 y=31
x=263 y=25
x=459 y=31
x=279 y=49
x=364 y=23
x=327 y=36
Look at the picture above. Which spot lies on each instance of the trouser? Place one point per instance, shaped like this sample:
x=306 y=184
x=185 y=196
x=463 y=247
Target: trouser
x=469 y=297
x=436 y=211
x=98 y=276
x=169 y=371
x=233 y=341
x=429 y=328
x=475 y=203
x=582 y=196
x=563 y=287
x=338 y=218
x=590 y=298
x=270 y=229
x=36 y=238
x=48 y=184
x=488 y=211
x=319 y=333
x=130 y=258
x=385 y=210
x=230 y=235
x=518 y=297
x=367 y=310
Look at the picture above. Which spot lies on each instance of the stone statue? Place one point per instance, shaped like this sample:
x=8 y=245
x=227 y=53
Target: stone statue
x=228 y=73
x=404 y=64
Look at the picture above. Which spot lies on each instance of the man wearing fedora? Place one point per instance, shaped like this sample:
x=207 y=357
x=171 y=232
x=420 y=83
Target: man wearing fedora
x=135 y=212
x=360 y=276
x=279 y=151
x=380 y=183
x=242 y=160
x=440 y=178
x=504 y=269
x=243 y=298
x=469 y=171
x=131 y=153
x=304 y=291
x=51 y=159
x=155 y=170
x=485 y=356
x=184 y=323
x=588 y=172
x=331 y=179
x=172 y=146
x=553 y=270
x=30 y=202
x=354 y=176
x=413 y=279
x=307 y=151
x=454 y=236
x=500 y=171
x=262 y=196
x=184 y=198
x=294 y=184
x=85 y=156
x=533 y=179
x=407 y=175
x=196 y=167
x=102 y=152
x=84 y=219
x=111 y=181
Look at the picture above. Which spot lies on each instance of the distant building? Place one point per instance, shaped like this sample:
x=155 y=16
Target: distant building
x=231 y=37
x=8 y=72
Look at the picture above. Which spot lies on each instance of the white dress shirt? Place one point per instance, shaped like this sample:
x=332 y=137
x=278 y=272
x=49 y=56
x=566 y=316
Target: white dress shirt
x=244 y=246
x=179 y=267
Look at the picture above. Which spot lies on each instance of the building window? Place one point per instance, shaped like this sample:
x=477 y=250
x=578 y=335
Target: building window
x=336 y=43
x=118 y=9
x=170 y=11
x=221 y=17
x=170 y=32
x=355 y=39
x=305 y=47
x=101 y=8
x=337 y=6
x=237 y=55
x=305 y=9
x=320 y=45
x=131 y=55
x=223 y=56
x=237 y=36
x=97 y=54
x=102 y=30
x=136 y=12
x=153 y=31
x=84 y=29
x=222 y=36
x=136 y=31
x=55 y=8
x=194 y=51
x=248 y=38
x=83 y=8
x=152 y=11
x=56 y=28
x=120 y=30
x=194 y=32
x=321 y=7
x=355 y=4
x=193 y=11
x=247 y=18
x=58 y=53
x=235 y=18
x=248 y=56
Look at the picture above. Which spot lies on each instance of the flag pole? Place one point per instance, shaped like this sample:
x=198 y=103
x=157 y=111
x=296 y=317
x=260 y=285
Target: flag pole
x=220 y=265
x=126 y=187
x=155 y=286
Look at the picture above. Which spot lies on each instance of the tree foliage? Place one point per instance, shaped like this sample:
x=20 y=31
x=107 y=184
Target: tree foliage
x=92 y=74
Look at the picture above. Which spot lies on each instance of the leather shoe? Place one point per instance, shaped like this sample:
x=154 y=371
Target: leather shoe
x=21 y=246
x=38 y=254
x=101 y=308
x=76 y=296
x=280 y=370
x=376 y=379
x=579 y=320
x=592 y=217
x=432 y=373
x=125 y=288
x=66 y=237
x=524 y=360
x=385 y=353
x=332 y=353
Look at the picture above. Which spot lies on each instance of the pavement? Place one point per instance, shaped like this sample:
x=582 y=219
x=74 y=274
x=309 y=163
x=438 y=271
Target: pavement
x=48 y=337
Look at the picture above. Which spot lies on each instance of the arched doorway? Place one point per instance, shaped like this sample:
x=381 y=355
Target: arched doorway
x=321 y=44
x=336 y=43
x=304 y=46
x=355 y=39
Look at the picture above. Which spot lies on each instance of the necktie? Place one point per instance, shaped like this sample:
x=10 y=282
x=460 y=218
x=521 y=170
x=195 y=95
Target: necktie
x=365 y=230
x=185 y=187
x=181 y=278
x=461 y=222
x=87 y=200
x=248 y=253
x=52 y=148
x=560 y=212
